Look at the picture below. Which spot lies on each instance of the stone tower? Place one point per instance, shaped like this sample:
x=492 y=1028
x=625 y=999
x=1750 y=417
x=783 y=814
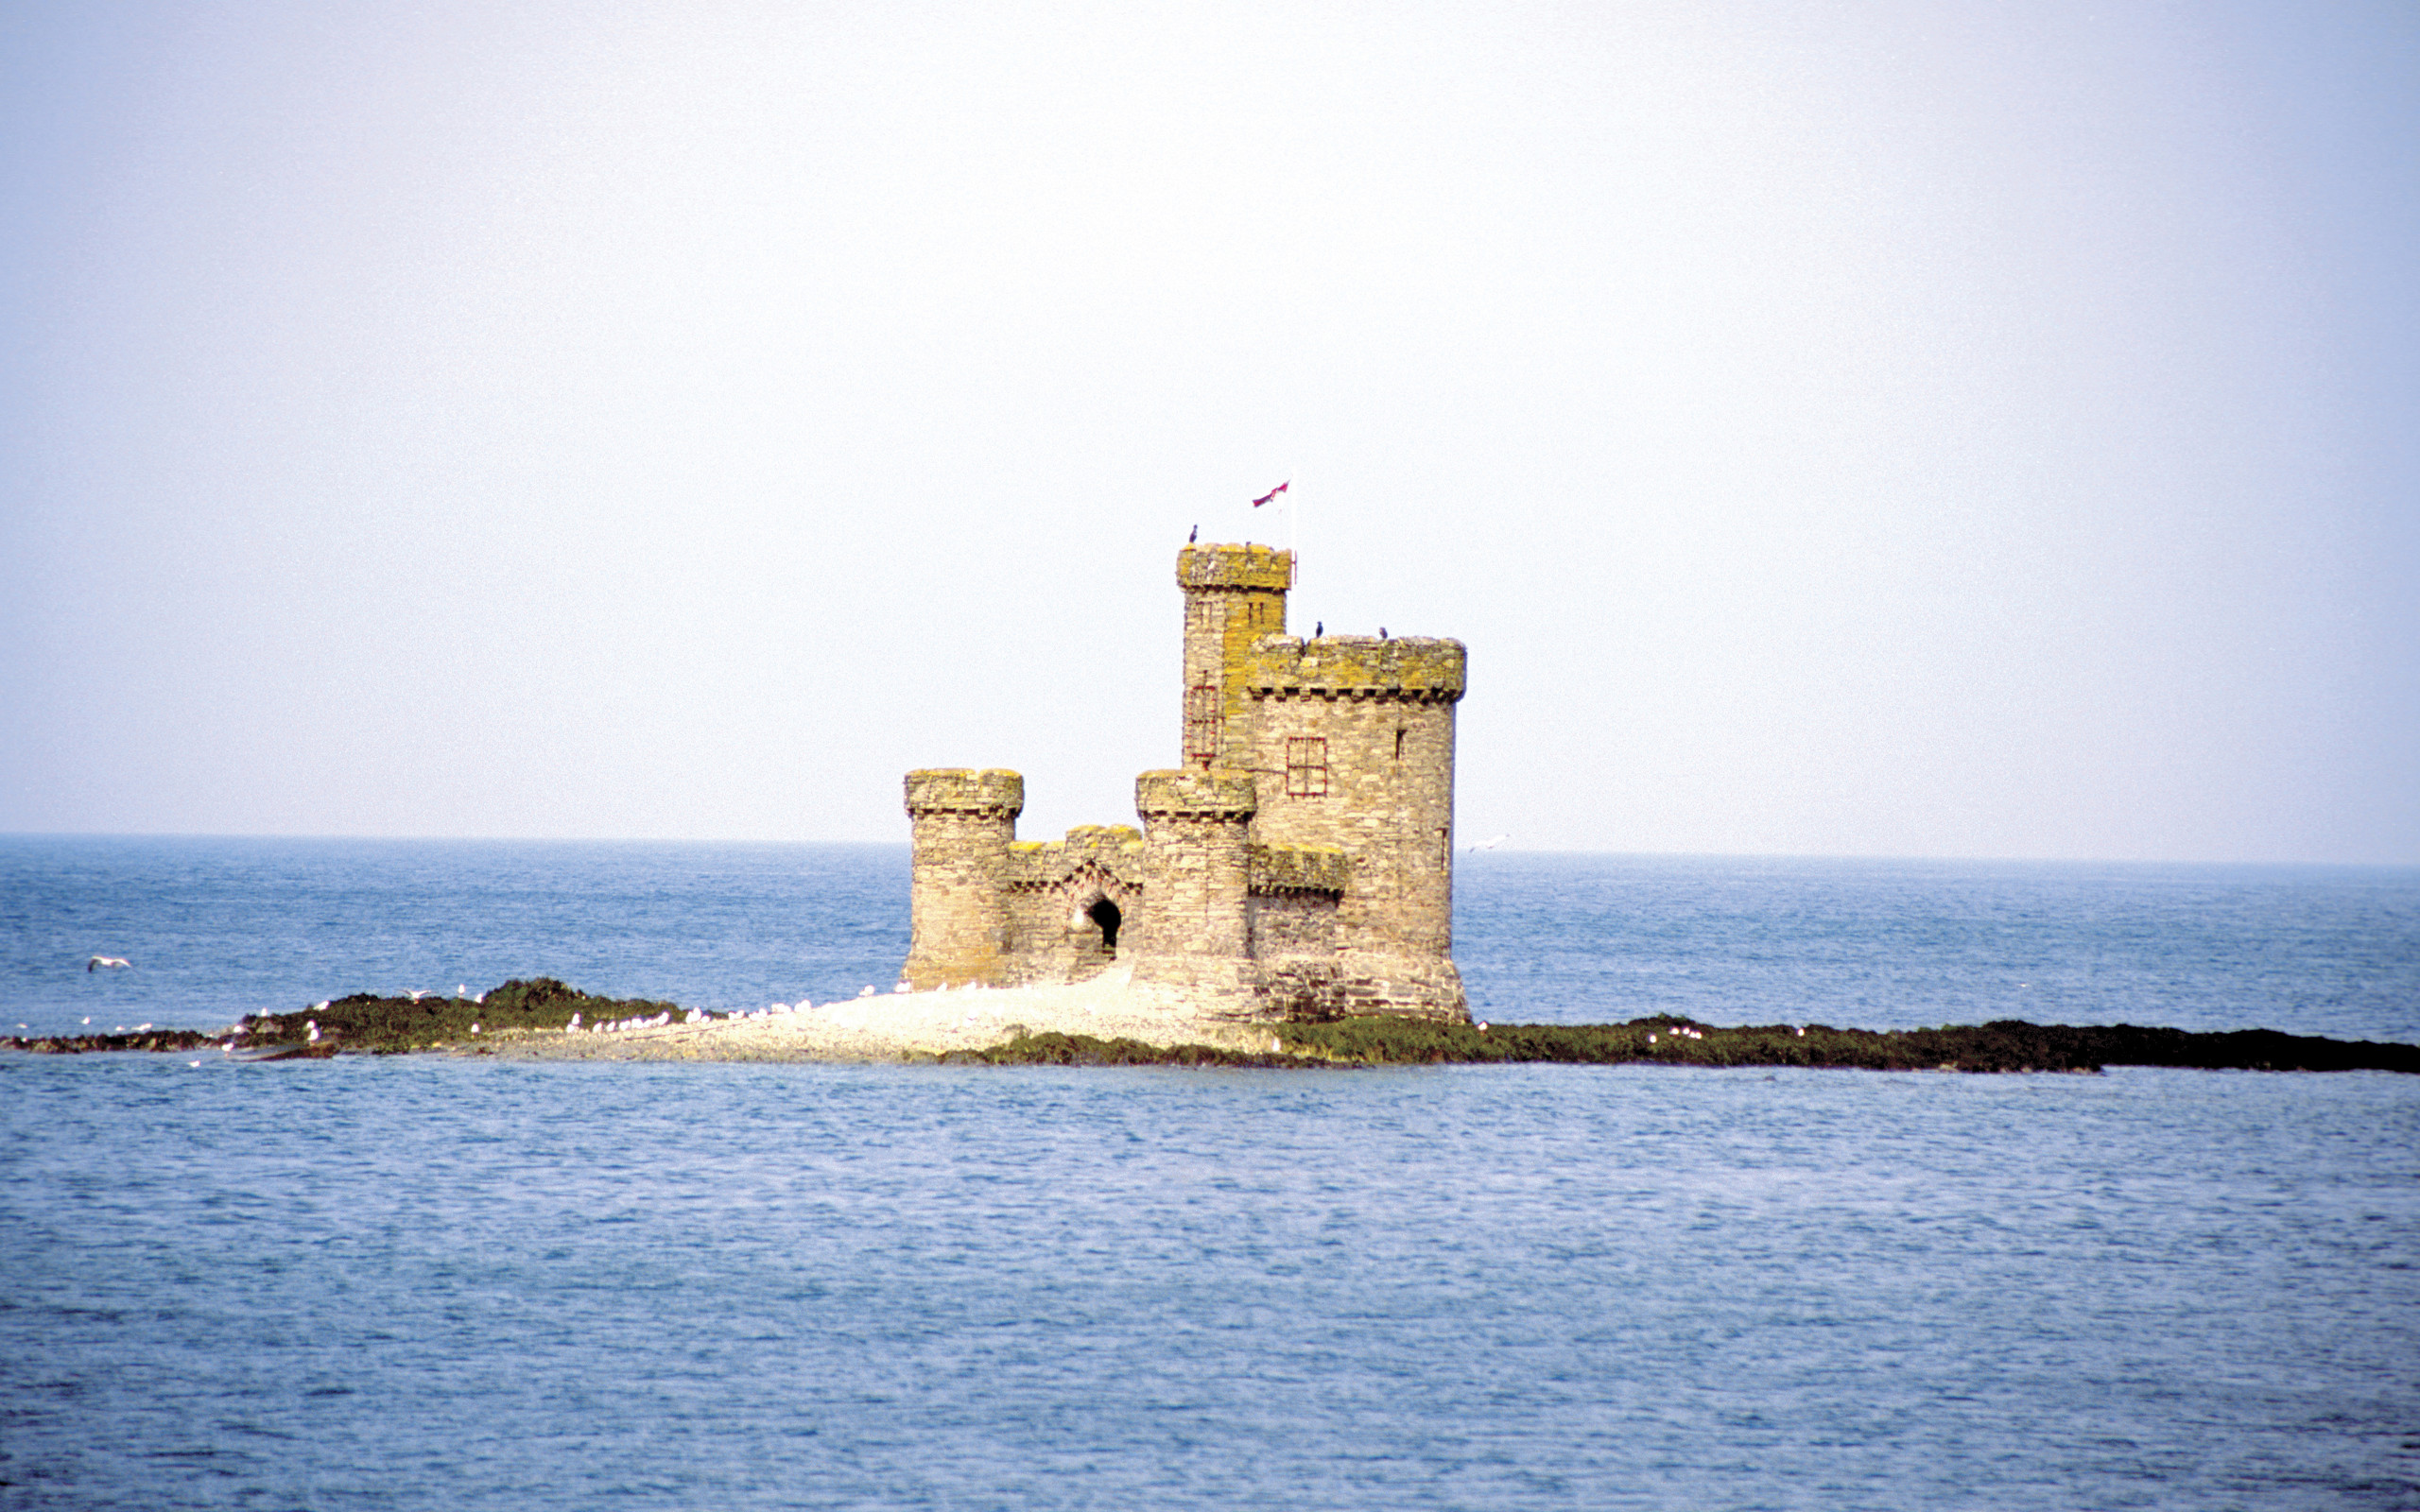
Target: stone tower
x=1233 y=596
x=962 y=824
x=1297 y=862
x=1351 y=738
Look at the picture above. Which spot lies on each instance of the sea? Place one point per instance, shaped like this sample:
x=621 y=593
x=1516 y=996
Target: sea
x=391 y=1282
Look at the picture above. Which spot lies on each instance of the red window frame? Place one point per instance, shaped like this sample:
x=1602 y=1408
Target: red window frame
x=1307 y=766
x=1202 y=723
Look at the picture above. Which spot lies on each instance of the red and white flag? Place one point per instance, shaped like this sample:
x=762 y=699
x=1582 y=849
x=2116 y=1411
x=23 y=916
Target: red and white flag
x=1272 y=493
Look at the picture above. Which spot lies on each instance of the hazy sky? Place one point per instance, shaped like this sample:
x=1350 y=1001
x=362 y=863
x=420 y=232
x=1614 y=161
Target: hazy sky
x=1924 y=429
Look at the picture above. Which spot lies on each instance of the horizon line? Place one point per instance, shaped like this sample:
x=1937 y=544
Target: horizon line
x=1465 y=854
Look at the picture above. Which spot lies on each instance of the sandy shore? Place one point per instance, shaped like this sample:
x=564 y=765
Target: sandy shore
x=902 y=1025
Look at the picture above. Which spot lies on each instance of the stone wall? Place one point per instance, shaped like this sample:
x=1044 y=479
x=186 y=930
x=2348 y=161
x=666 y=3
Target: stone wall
x=1065 y=897
x=1299 y=868
x=1234 y=595
x=962 y=822
x=1299 y=925
x=1351 y=738
x=1197 y=829
x=1295 y=893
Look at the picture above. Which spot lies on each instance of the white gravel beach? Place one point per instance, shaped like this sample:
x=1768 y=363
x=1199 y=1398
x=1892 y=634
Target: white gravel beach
x=904 y=1025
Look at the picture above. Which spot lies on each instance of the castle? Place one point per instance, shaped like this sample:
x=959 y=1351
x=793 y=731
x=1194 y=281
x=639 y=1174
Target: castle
x=1298 y=863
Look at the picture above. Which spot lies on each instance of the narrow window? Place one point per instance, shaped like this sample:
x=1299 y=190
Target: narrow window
x=1202 y=723
x=1306 y=766
x=1398 y=744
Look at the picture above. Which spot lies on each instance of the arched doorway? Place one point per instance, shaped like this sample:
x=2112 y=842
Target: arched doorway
x=1105 y=914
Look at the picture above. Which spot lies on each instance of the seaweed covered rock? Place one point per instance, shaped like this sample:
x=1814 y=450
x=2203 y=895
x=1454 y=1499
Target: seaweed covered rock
x=367 y=1021
x=78 y=1044
x=2004 y=1045
x=1056 y=1048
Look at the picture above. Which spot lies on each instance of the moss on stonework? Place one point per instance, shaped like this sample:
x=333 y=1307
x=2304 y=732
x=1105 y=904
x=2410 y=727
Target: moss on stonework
x=1300 y=868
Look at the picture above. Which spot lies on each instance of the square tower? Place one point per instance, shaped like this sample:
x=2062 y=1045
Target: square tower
x=1233 y=596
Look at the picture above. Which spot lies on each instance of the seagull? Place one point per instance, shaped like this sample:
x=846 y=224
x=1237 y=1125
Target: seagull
x=1319 y=627
x=1487 y=844
x=1193 y=535
x=1382 y=633
x=416 y=994
x=113 y=962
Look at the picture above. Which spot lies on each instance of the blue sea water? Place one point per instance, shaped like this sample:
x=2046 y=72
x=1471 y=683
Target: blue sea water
x=405 y=1282
x=219 y=928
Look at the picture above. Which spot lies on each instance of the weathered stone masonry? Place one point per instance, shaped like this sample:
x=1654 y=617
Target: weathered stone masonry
x=1297 y=861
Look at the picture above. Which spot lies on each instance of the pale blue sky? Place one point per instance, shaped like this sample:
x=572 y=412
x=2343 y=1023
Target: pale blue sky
x=1858 y=429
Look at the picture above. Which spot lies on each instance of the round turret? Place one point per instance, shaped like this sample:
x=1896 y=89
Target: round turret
x=960 y=922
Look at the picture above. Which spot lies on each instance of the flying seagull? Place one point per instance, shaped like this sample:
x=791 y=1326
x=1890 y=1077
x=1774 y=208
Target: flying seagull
x=110 y=961
x=1487 y=845
x=1272 y=493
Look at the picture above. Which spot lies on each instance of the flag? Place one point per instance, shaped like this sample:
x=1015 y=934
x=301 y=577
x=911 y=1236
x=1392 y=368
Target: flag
x=1272 y=493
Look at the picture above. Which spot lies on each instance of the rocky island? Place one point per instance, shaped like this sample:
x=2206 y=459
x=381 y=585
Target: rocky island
x=1107 y=1022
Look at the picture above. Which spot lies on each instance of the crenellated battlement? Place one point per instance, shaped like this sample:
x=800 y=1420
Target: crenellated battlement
x=1189 y=794
x=1115 y=852
x=1415 y=668
x=1264 y=568
x=995 y=791
x=1281 y=869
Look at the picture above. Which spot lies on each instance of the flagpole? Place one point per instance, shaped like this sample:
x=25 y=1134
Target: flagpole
x=1294 y=530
